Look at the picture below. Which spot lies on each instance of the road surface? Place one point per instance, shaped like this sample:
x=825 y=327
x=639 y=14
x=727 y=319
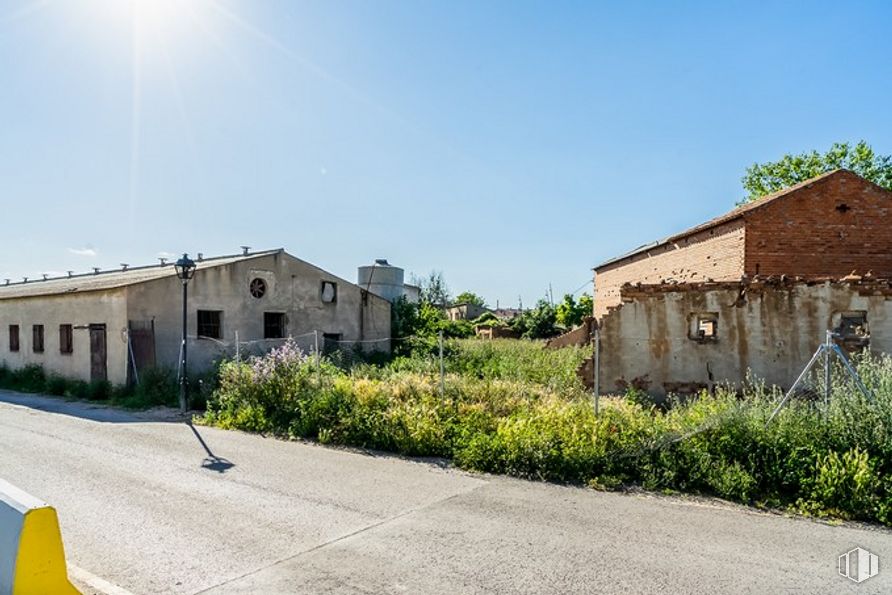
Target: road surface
x=149 y=505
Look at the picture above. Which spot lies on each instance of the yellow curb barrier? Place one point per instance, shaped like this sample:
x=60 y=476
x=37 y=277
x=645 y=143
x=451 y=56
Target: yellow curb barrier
x=32 y=558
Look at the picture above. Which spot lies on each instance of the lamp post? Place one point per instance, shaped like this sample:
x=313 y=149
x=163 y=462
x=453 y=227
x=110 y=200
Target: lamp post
x=185 y=268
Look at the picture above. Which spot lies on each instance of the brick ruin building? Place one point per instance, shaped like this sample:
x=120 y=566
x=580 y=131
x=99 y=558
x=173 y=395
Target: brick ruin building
x=753 y=290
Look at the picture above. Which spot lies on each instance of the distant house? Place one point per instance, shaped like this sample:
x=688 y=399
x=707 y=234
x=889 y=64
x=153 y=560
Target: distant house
x=110 y=325
x=507 y=313
x=465 y=311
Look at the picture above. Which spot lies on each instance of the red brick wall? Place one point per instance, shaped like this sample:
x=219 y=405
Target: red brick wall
x=804 y=234
x=716 y=254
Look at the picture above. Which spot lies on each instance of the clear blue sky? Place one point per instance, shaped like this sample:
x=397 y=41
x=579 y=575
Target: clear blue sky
x=508 y=144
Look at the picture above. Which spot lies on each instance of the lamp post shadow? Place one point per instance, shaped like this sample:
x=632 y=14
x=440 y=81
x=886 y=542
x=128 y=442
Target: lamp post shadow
x=212 y=461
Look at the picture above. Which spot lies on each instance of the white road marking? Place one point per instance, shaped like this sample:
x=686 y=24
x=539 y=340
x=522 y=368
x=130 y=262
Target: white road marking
x=101 y=586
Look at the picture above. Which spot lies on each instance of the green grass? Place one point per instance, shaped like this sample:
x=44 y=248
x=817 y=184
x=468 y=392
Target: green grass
x=513 y=408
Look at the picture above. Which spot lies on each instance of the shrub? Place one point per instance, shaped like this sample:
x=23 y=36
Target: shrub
x=56 y=385
x=99 y=390
x=512 y=407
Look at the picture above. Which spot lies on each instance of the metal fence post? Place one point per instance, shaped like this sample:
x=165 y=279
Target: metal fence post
x=596 y=368
x=827 y=379
x=442 y=370
x=316 y=348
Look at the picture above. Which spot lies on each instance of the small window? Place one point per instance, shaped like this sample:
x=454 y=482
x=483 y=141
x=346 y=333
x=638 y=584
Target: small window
x=13 y=337
x=329 y=292
x=37 y=338
x=66 y=339
x=853 y=325
x=257 y=288
x=704 y=327
x=331 y=342
x=273 y=325
x=210 y=324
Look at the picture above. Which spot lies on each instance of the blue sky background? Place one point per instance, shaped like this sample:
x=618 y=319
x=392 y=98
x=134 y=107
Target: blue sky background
x=508 y=144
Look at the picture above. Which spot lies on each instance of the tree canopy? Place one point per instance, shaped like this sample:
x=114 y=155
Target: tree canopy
x=569 y=313
x=469 y=297
x=764 y=178
x=433 y=288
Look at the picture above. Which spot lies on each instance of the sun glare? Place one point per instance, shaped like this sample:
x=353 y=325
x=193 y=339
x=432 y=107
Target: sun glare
x=159 y=13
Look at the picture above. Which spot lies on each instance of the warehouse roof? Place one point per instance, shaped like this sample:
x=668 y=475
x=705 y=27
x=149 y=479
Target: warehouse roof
x=112 y=279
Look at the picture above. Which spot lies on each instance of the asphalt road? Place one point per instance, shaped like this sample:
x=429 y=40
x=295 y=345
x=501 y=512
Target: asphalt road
x=155 y=506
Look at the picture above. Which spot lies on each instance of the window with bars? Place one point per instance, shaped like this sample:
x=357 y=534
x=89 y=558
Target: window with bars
x=66 y=339
x=210 y=324
x=274 y=325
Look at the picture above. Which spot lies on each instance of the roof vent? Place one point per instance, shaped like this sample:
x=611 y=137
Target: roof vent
x=163 y=261
x=124 y=266
x=245 y=250
x=95 y=270
x=200 y=256
x=381 y=262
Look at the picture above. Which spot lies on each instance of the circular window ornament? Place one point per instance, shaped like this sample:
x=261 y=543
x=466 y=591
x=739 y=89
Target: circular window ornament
x=257 y=288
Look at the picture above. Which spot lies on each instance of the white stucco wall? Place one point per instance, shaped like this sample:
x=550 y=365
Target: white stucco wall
x=293 y=288
x=99 y=307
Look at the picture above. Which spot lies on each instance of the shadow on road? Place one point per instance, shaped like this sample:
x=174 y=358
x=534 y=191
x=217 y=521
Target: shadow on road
x=212 y=461
x=92 y=411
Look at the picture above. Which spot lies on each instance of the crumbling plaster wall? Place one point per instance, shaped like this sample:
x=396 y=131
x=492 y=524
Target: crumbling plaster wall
x=771 y=329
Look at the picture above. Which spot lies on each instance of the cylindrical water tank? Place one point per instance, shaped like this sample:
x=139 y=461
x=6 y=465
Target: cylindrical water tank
x=382 y=279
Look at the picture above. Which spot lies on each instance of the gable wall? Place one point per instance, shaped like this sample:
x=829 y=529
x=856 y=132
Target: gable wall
x=804 y=234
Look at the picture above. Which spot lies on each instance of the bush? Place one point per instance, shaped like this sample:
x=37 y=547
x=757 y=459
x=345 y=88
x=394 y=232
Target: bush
x=517 y=409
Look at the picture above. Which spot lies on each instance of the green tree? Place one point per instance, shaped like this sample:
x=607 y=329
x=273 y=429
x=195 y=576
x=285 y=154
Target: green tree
x=433 y=288
x=469 y=297
x=536 y=323
x=587 y=305
x=569 y=313
x=764 y=178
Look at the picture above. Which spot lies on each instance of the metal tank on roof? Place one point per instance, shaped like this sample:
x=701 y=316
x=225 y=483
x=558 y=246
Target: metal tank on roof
x=382 y=279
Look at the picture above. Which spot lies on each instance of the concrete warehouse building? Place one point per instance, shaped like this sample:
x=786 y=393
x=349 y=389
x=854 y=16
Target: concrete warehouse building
x=110 y=324
x=753 y=290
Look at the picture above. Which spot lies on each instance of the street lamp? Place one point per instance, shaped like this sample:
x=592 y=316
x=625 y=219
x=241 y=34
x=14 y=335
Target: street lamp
x=185 y=269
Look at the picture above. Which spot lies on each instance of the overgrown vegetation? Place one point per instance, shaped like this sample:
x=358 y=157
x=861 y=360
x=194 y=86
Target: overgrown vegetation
x=512 y=407
x=157 y=387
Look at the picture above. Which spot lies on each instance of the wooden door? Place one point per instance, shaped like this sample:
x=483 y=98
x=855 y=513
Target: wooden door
x=98 y=356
